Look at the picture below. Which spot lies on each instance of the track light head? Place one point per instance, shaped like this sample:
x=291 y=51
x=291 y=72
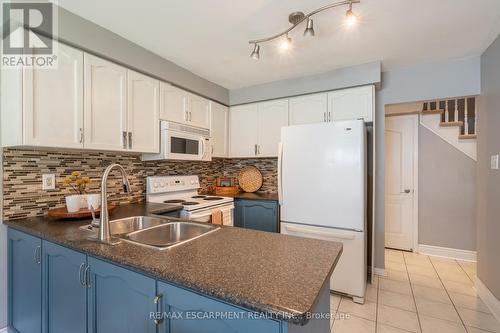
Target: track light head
x=309 y=32
x=351 y=18
x=286 y=43
x=256 y=52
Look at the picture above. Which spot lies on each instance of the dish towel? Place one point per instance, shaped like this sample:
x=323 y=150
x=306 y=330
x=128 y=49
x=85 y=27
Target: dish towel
x=216 y=217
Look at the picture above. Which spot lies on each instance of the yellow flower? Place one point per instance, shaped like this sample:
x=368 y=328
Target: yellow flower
x=76 y=173
x=66 y=181
x=79 y=182
x=86 y=180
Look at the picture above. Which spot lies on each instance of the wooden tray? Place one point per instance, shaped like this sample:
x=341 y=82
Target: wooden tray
x=63 y=214
x=226 y=190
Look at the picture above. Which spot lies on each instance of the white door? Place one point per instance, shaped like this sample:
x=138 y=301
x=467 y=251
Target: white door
x=105 y=107
x=308 y=109
x=272 y=116
x=199 y=111
x=401 y=145
x=143 y=121
x=173 y=103
x=219 y=129
x=53 y=102
x=244 y=130
x=352 y=103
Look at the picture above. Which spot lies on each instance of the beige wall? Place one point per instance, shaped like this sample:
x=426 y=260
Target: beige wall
x=488 y=198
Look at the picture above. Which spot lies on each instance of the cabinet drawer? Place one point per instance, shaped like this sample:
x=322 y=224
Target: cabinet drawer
x=191 y=312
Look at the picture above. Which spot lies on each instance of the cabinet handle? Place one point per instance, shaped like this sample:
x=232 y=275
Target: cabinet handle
x=255 y=150
x=129 y=140
x=157 y=301
x=81 y=135
x=80 y=274
x=37 y=255
x=124 y=139
x=86 y=276
x=190 y=116
x=324 y=117
x=329 y=116
x=258 y=149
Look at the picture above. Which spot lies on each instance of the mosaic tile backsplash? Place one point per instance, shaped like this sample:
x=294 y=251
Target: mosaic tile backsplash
x=22 y=176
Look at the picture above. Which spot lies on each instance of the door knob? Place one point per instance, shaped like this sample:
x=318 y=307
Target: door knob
x=406 y=191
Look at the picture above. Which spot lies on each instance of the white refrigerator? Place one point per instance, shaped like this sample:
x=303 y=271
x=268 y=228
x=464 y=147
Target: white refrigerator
x=322 y=193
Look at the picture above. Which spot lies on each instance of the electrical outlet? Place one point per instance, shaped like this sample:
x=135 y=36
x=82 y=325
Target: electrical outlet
x=48 y=181
x=494 y=162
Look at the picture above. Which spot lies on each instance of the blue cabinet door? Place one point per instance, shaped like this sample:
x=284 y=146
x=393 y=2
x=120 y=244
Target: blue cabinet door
x=256 y=214
x=119 y=300
x=24 y=282
x=64 y=295
x=183 y=311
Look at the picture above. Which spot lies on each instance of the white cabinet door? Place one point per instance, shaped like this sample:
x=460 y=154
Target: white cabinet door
x=272 y=116
x=53 y=102
x=143 y=119
x=219 y=129
x=308 y=109
x=199 y=114
x=244 y=130
x=105 y=107
x=353 y=103
x=173 y=103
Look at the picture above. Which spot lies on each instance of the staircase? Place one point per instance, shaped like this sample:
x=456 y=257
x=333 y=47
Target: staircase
x=454 y=120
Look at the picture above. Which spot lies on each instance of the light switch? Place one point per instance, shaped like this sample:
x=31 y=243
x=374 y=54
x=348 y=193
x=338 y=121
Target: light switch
x=494 y=162
x=48 y=181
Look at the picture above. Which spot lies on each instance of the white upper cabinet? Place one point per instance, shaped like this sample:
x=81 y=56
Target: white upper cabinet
x=219 y=124
x=255 y=129
x=308 y=109
x=105 y=110
x=244 y=130
x=143 y=121
x=173 y=103
x=272 y=116
x=198 y=111
x=183 y=107
x=45 y=107
x=352 y=103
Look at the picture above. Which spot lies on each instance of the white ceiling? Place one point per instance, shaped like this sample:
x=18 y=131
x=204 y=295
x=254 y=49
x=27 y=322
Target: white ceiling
x=210 y=38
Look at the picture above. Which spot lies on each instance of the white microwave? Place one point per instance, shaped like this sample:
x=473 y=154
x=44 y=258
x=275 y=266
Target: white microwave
x=182 y=142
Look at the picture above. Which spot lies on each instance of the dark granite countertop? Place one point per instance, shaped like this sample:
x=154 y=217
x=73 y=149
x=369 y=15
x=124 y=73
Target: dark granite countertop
x=275 y=274
x=252 y=196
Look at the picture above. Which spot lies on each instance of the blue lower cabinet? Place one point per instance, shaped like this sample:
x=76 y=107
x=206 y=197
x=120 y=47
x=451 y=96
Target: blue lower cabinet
x=256 y=214
x=64 y=294
x=24 y=282
x=119 y=300
x=182 y=311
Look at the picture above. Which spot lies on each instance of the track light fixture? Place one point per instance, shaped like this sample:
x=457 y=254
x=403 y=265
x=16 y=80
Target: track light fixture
x=296 y=19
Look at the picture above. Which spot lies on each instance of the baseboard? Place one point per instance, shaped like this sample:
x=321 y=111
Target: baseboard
x=447 y=252
x=379 y=271
x=488 y=298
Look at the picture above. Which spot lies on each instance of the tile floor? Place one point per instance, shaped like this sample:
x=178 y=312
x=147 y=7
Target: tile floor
x=418 y=294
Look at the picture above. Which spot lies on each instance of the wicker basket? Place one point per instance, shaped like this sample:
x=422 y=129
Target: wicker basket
x=250 y=179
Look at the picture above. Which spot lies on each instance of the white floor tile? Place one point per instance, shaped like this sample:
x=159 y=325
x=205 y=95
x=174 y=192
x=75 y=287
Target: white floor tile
x=402 y=287
x=427 y=271
x=431 y=294
x=396 y=300
x=371 y=293
x=365 y=311
x=437 y=310
x=481 y=320
x=426 y=281
x=469 y=302
x=398 y=318
x=382 y=328
x=396 y=275
x=353 y=325
x=434 y=325
x=458 y=287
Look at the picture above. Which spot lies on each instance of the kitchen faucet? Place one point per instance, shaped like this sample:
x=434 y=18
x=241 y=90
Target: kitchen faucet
x=104 y=227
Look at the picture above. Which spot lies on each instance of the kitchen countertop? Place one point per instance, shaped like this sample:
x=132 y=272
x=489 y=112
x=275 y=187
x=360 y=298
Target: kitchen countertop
x=275 y=274
x=252 y=196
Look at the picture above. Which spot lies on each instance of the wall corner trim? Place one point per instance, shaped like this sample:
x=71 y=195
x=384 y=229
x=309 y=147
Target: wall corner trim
x=488 y=298
x=447 y=252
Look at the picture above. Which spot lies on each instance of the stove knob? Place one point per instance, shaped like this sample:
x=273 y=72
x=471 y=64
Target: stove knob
x=155 y=184
x=162 y=184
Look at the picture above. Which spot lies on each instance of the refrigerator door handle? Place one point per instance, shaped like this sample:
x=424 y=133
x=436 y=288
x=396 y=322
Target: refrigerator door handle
x=280 y=173
x=318 y=233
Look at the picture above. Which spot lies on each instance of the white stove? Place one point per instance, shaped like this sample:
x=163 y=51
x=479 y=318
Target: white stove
x=183 y=190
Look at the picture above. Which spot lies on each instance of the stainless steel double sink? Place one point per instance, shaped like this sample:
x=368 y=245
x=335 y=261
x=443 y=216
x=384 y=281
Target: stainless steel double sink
x=157 y=232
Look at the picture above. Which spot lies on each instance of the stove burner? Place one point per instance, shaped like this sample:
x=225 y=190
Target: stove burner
x=174 y=201
x=199 y=196
x=212 y=198
x=190 y=203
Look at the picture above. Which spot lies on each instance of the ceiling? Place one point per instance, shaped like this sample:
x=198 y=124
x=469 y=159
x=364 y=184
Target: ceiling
x=210 y=38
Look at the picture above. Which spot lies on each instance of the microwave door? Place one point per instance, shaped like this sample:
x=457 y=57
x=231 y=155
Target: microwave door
x=183 y=146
